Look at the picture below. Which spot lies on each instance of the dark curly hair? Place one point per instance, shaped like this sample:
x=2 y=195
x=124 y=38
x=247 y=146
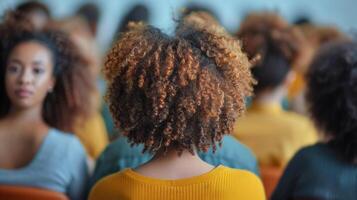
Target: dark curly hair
x=332 y=95
x=68 y=102
x=182 y=92
x=278 y=45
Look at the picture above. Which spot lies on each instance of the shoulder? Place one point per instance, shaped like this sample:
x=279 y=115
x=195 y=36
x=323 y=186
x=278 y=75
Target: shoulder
x=243 y=177
x=311 y=150
x=248 y=183
x=68 y=141
x=121 y=149
x=230 y=144
x=63 y=137
x=309 y=155
x=234 y=153
x=108 y=186
x=297 y=119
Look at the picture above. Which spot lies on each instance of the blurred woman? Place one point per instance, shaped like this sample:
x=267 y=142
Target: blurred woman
x=92 y=132
x=273 y=133
x=316 y=36
x=44 y=92
x=328 y=169
x=177 y=96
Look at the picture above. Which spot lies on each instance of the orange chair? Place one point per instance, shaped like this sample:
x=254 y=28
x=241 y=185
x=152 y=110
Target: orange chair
x=21 y=193
x=270 y=177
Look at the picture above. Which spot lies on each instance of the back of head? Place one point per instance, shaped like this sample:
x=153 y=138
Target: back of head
x=193 y=7
x=91 y=14
x=138 y=13
x=270 y=37
x=332 y=95
x=36 y=12
x=182 y=92
x=33 y=6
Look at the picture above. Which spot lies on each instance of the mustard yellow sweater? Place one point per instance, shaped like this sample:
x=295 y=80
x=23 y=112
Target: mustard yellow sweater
x=273 y=134
x=222 y=183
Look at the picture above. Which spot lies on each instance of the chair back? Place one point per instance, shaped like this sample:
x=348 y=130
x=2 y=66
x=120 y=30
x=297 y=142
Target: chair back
x=270 y=177
x=21 y=192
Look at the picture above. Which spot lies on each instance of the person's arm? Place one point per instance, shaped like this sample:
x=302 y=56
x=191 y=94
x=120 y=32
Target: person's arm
x=79 y=171
x=287 y=183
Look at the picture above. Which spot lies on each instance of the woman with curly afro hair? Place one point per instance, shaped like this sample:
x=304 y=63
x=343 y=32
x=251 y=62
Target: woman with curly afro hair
x=279 y=133
x=328 y=169
x=44 y=89
x=177 y=96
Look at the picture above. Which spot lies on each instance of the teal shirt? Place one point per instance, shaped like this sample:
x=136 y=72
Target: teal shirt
x=318 y=172
x=120 y=155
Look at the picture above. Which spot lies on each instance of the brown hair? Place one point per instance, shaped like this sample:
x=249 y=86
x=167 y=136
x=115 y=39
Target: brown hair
x=259 y=29
x=278 y=45
x=183 y=92
x=68 y=102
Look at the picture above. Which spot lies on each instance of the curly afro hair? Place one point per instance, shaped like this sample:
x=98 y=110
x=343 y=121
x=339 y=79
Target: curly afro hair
x=68 y=103
x=278 y=45
x=332 y=95
x=182 y=92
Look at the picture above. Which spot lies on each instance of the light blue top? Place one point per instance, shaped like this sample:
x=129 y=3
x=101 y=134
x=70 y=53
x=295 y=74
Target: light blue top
x=59 y=165
x=120 y=155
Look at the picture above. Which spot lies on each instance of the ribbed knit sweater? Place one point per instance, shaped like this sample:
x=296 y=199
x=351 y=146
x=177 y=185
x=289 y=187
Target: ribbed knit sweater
x=222 y=183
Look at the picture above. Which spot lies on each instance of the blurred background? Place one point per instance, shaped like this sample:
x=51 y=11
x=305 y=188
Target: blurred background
x=340 y=13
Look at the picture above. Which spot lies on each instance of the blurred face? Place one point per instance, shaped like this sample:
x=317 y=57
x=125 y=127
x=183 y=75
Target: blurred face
x=28 y=76
x=39 y=19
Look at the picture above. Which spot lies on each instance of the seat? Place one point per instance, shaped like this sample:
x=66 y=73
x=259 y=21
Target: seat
x=21 y=193
x=270 y=177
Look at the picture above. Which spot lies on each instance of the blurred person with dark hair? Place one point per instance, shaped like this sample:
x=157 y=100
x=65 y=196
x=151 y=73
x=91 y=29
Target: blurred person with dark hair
x=92 y=132
x=177 y=96
x=316 y=36
x=328 y=169
x=44 y=92
x=193 y=7
x=138 y=13
x=37 y=13
x=273 y=133
x=91 y=14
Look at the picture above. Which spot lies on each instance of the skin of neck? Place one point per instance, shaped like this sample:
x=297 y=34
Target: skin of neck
x=277 y=94
x=172 y=154
x=32 y=115
x=271 y=96
x=171 y=165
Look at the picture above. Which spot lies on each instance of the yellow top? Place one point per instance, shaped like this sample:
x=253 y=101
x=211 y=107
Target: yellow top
x=297 y=86
x=273 y=134
x=93 y=135
x=220 y=183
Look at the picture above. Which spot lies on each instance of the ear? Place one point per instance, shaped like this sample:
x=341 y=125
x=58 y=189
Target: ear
x=290 y=77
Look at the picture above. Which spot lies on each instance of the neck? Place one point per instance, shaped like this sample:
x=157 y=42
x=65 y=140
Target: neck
x=273 y=96
x=172 y=156
x=170 y=165
x=26 y=115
